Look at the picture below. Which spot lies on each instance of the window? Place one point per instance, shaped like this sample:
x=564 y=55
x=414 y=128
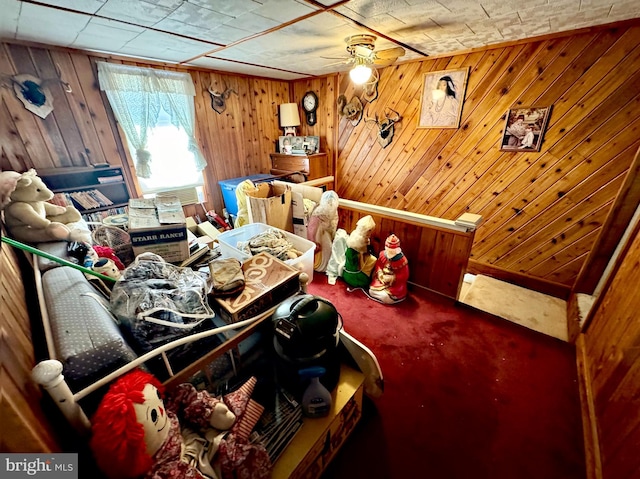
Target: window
x=155 y=110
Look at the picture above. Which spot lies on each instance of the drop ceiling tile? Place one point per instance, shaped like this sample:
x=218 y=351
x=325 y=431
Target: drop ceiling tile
x=100 y=32
x=223 y=65
x=233 y=8
x=250 y=22
x=47 y=25
x=136 y=12
x=218 y=36
x=498 y=22
x=283 y=11
x=86 y=6
x=625 y=9
x=9 y=19
x=529 y=28
x=497 y=8
x=448 y=32
x=367 y=8
x=194 y=15
x=486 y=37
x=580 y=19
x=151 y=40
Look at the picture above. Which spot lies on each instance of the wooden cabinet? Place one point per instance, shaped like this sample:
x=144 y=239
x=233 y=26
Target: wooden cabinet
x=95 y=192
x=312 y=166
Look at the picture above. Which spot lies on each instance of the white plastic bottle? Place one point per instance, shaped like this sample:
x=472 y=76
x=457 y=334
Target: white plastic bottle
x=316 y=400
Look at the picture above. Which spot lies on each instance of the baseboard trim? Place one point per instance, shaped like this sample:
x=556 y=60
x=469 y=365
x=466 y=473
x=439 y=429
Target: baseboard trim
x=540 y=285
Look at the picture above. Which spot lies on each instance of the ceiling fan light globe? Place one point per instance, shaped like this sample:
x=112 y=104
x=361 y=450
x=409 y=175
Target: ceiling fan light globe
x=360 y=74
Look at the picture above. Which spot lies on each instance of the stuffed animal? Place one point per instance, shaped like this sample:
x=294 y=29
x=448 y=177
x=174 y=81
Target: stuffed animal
x=359 y=263
x=31 y=219
x=389 y=281
x=135 y=433
x=8 y=182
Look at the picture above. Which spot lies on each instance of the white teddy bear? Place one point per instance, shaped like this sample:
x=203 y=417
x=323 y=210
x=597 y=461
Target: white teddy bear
x=31 y=219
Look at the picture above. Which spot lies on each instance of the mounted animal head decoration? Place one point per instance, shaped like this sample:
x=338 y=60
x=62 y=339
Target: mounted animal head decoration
x=218 y=100
x=385 y=126
x=370 y=88
x=352 y=110
x=34 y=93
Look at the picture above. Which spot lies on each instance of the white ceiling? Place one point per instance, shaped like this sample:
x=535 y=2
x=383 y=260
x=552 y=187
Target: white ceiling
x=289 y=39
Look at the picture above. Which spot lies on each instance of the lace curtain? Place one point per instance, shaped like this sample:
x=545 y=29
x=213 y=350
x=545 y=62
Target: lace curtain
x=136 y=95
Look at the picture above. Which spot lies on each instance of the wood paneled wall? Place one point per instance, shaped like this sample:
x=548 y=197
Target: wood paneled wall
x=24 y=424
x=542 y=211
x=82 y=131
x=437 y=256
x=609 y=350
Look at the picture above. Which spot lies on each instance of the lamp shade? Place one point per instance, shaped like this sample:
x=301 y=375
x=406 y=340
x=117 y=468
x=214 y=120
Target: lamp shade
x=360 y=74
x=289 y=115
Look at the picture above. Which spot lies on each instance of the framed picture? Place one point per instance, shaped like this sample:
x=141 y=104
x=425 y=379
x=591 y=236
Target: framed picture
x=442 y=98
x=311 y=144
x=299 y=145
x=524 y=128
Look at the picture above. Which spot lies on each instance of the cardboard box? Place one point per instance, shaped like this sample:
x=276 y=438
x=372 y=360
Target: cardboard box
x=159 y=226
x=207 y=229
x=271 y=204
x=298 y=194
x=268 y=281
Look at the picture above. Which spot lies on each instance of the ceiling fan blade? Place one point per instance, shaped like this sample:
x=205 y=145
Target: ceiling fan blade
x=343 y=62
x=390 y=53
x=384 y=62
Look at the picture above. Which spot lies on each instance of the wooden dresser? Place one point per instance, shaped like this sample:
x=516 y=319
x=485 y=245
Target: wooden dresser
x=312 y=166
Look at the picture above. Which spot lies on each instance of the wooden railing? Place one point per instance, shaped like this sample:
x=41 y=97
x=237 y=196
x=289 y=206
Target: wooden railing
x=437 y=249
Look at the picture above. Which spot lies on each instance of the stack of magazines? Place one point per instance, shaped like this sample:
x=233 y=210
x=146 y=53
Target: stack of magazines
x=278 y=425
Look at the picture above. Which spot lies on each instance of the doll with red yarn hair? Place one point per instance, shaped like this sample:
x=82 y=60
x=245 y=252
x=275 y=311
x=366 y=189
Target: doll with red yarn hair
x=135 y=435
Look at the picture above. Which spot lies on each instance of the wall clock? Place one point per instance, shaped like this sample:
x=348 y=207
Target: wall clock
x=310 y=105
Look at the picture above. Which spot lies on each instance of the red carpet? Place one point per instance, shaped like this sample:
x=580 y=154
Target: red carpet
x=467 y=395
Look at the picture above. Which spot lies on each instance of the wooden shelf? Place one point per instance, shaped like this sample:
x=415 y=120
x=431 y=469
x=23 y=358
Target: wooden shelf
x=107 y=180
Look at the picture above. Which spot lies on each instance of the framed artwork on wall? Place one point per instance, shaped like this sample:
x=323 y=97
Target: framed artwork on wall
x=524 y=128
x=442 y=98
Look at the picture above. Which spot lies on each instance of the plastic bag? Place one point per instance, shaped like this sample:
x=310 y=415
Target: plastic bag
x=157 y=302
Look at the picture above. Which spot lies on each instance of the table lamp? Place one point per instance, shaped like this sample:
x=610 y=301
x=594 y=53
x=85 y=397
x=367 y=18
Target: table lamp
x=289 y=118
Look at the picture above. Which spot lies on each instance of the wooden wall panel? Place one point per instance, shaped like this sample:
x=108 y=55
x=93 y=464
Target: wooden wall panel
x=24 y=424
x=82 y=130
x=437 y=256
x=612 y=360
x=539 y=209
x=542 y=211
x=326 y=89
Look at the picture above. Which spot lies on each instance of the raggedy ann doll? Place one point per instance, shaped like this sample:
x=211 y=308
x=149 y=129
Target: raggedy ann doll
x=191 y=435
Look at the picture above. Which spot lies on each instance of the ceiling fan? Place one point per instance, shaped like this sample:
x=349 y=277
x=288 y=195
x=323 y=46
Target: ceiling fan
x=363 y=55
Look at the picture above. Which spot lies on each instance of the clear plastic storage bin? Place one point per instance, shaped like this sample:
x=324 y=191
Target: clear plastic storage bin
x=229 y=240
